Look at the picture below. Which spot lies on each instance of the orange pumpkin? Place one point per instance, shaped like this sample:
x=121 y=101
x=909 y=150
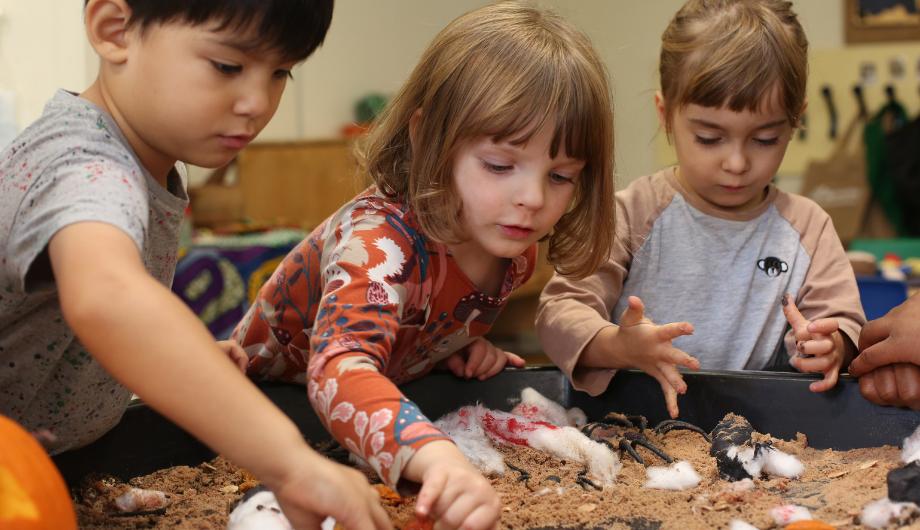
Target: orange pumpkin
x=33 y=495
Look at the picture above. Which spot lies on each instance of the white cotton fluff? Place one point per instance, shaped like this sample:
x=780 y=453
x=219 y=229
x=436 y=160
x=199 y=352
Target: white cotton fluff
x=878 y=514
x=745 y=455
x=781 y=464
x=738 y=524
x=465 y=429
x=536 y=406
x=327 y=524
x=911 y=450
x=789 y=513
x=259 y=512
x=568 y=443
x=678 y=476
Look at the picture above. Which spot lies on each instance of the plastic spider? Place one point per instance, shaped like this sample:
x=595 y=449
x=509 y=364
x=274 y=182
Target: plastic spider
x=624 y=432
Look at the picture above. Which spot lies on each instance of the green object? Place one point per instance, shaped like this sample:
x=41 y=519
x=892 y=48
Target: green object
x=890 y=117
x=902 y=247
x=369 y=107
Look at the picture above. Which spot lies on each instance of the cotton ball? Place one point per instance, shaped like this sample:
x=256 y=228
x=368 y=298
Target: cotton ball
x=782 y=464
x=911 y=450
x=259 y=511
x=536 y=406
x=679 y=476
x=465 y=428
x=789 y=513
x=877 y=514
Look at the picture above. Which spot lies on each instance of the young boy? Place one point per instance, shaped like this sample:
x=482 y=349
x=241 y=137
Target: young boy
x=91 y=197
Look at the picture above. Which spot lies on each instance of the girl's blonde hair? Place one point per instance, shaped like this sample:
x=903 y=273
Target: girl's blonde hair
x=503 y=71
x=739 y=53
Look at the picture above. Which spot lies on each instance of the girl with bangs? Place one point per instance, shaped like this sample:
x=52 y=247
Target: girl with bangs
x=712 y=266
x=502 y=137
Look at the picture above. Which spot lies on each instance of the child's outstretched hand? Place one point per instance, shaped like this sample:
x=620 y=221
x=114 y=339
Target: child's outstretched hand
x=482 y=360
x=454 y=494
x=235 y=352
x=819 y=344
x=647 y=346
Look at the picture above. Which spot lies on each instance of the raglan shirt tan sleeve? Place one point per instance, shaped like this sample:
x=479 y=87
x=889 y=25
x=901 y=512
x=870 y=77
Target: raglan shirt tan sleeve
x=571 y=312
x=829 y=289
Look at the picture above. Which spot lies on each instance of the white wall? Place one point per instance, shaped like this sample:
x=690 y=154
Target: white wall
x=371 y=47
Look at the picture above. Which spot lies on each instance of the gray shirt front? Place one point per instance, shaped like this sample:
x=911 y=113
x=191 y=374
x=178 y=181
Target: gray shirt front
x=71 y=165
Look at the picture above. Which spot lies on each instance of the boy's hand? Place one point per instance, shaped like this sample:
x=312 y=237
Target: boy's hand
x=317 y=487
x=235 y=352
x=647 y=346
x=819 y=344
x=454 y=494
x=482 y=360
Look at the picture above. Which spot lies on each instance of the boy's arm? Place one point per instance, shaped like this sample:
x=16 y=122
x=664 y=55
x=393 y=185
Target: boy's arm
x=154 y=345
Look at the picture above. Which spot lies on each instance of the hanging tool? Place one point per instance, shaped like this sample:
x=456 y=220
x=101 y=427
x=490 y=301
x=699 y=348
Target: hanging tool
x=831 y=110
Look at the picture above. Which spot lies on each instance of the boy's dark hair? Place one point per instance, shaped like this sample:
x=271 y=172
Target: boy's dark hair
x=294 y=28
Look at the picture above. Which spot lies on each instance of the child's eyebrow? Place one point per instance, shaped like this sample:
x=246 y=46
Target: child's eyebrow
x=713 y=125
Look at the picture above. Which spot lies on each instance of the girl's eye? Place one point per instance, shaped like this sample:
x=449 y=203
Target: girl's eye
x=284 y=74
x=560 y=179
x=496 y=168
x=767 y=141
x=704 y=140
x=227 y=69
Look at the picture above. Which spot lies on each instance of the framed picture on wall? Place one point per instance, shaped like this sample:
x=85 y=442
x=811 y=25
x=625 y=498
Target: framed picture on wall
x=881 y=20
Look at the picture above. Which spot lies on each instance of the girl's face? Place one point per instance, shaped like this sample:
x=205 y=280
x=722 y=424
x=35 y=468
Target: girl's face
x=728 y=158
x=512 y=196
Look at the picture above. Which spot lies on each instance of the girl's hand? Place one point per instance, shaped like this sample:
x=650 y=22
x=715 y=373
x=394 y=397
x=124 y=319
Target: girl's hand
x=454 y=494
x=647 y=346
x=235 y=352
x=316 y=488
x=482 y=360
x=819 y=344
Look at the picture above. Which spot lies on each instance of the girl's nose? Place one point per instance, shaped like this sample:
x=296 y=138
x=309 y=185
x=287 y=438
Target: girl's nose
x=736 y=161
x=531 y=193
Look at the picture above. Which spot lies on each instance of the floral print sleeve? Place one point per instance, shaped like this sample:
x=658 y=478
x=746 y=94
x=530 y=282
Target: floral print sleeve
x=361 y=305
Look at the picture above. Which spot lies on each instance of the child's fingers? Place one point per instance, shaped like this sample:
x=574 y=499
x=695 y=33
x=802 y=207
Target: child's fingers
x=478 y=351
x=634 y=313
x=813 y=364
x=515 y=360
x=492 y=366
x=819 y=346
x=673 y=377
x=455 y=364
x=674 y=329
x=798 y=322
x=482 y=517
x=669 y=391
x=432 y=487
x=823 y=326
x=830 y=379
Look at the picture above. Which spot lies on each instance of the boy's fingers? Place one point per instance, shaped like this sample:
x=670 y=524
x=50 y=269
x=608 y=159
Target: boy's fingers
x=491 y=367
x=675 y=329
x=477 y=352
x=798 y=322
x=634 y=313
x=673 y=377
x=868 y=390
x=812 y=364
x=670 y=394
x=879 y=354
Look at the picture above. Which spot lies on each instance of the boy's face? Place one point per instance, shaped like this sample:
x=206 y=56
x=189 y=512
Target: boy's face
x=192 y=94
x=512 y=195
x=726 y=157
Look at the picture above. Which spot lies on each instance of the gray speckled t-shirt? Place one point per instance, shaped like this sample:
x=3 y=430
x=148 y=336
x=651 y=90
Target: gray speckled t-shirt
x=71 y=165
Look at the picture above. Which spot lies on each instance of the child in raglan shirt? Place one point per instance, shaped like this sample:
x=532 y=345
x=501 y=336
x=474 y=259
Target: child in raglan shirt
x=712 y=266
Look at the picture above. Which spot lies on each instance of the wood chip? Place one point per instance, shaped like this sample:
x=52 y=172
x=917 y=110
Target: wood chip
x=208 y=466
x=232 y=488
x=868 y=464
x=589 y=507
x=838 y=474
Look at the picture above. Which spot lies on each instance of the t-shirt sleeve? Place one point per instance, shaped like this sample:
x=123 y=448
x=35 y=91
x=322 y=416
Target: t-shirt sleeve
x=369 y=273
x=82 y=185
x=829 y=289
x=571 y=312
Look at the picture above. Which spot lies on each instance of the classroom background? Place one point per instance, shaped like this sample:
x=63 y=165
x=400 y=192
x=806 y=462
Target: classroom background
x=856 y=155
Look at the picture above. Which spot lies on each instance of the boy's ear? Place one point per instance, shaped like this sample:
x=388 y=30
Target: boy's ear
x=106 y=24
x=414 y=122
